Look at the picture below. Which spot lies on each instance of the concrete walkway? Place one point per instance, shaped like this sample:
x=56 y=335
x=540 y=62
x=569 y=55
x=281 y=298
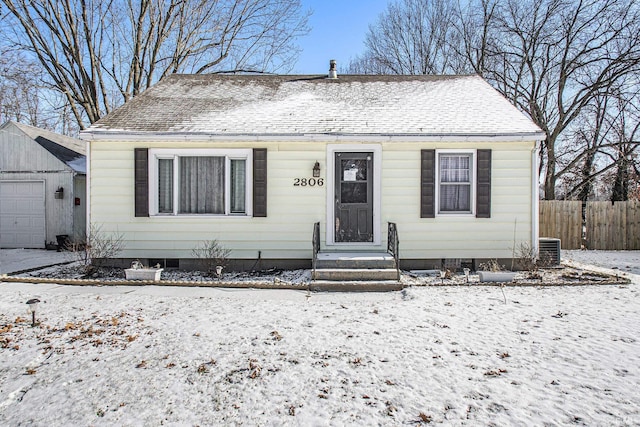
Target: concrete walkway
x=15 y=260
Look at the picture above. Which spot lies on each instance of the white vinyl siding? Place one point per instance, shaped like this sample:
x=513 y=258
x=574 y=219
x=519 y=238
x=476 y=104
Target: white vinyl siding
x=287 y=231
x=284 y=233
x=459 y=235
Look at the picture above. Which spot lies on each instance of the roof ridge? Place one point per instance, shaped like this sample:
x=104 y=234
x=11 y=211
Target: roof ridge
x=321 y=76
x=74 y=144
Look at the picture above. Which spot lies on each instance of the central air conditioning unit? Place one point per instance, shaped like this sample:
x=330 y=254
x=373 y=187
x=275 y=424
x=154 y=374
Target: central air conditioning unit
x=549 y=250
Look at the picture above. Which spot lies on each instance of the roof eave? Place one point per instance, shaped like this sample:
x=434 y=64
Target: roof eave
x=102 y=135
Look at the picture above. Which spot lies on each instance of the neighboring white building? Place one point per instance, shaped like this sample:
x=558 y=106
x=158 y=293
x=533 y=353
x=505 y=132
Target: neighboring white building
x=42 y=187
x=255 y=160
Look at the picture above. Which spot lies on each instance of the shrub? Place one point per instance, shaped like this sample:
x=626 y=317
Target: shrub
x=210 y=254
x=97 y=246
x=526 y=257
x=491 y=265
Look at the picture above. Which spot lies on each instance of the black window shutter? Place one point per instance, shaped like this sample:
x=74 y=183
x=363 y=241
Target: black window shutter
x=427 y=183
x=141 y=190
x=259 y=182
x=483 y=184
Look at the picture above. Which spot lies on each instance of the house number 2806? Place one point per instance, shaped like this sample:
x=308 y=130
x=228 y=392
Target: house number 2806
x=308 y=182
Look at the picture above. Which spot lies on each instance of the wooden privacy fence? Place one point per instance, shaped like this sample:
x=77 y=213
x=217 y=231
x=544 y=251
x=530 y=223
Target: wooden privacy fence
x=606 y=226
x=563 y=220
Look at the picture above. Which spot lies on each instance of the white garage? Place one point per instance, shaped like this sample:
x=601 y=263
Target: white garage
x=22 y=214
x=42 y=187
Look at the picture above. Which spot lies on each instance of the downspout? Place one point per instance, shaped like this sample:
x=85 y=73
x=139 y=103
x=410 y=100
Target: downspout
x=88 y=191
x=535 y=202
x=74 y=216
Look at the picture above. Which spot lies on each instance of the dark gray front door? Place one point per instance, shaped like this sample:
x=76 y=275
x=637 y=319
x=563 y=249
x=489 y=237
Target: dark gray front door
x=354 y=197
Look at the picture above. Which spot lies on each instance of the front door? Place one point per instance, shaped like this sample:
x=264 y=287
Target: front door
x=353 y=197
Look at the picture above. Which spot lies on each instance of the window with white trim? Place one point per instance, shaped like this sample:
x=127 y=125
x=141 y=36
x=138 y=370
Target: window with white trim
x=456 y=189
x=200 y=182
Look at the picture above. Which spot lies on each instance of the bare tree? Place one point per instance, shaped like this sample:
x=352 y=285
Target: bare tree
x=23 y=98
x=411 y=37
x=19 y=89
x=555 y=56
x=605 y=144
x=556 y=60
x=100 y=53
x=475 y=24
x=580 y=161
x=625 y=150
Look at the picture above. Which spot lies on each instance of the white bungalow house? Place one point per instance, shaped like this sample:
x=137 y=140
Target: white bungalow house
x=42 y=187
x=254 y=161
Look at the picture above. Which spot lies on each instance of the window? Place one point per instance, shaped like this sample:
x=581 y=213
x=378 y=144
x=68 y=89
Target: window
x=200 y=182
x=455 y=179
x=451 y=185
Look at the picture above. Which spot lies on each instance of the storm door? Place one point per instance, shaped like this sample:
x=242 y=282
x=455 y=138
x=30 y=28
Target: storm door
x=353 y=197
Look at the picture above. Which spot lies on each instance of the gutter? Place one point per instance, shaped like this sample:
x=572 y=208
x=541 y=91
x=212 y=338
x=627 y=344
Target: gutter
x=98 y=135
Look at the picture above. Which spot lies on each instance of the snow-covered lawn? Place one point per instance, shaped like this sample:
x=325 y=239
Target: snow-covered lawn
x=623 y=261
x=12 y=260
x=189 y=356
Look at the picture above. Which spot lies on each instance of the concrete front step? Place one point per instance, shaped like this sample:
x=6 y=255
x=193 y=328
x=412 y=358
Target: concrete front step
x=355 y=286
x=355 y=260
x=355 y=274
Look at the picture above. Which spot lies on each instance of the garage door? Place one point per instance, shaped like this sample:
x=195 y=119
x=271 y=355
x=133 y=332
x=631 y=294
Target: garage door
x=22 y=214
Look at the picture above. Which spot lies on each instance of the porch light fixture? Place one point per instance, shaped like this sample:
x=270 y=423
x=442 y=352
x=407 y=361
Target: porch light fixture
x=59 y=193
x=316 y=170
x=466 y=274
x=32 y=305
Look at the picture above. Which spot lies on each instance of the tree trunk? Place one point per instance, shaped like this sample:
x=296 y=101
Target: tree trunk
x=587 y=169
x=620 y=191
x=550 y=172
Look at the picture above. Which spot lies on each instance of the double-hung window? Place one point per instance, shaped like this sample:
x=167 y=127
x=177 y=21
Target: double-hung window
x=455 y=182
x=200 y=182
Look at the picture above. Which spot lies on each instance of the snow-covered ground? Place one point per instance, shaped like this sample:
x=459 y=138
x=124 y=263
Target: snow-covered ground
x=13 y=260
x=623 y=261
x=198 y=356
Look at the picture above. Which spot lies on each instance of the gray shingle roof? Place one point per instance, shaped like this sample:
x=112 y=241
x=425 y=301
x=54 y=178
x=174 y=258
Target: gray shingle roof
x=70 y=151
x=316 y=105
x=68 y=142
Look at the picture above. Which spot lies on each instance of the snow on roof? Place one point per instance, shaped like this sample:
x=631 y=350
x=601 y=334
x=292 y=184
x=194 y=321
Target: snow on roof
x=308 y=105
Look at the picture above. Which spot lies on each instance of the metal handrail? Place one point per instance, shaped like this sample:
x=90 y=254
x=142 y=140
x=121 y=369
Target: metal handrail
x=315 y=241
x=393 y=245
